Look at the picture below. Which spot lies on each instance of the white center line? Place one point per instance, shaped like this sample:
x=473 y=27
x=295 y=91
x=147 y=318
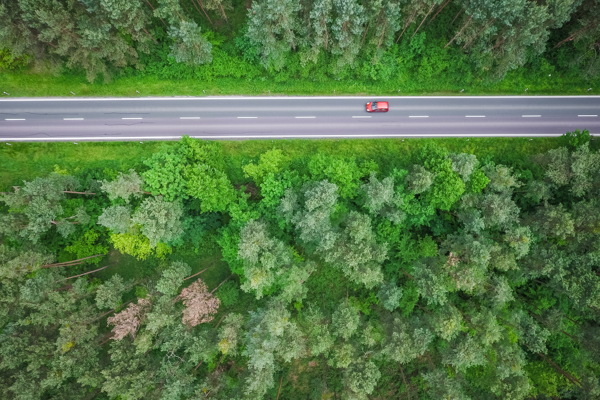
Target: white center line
x=73 y=119
x=361 y=116
x=418 y=116
x=588 y=115
x=305 y=117
x=14 y=119
x=474 y=116
x=530 y=116
x=247 y=117
x=133 y=118
x=189 y=117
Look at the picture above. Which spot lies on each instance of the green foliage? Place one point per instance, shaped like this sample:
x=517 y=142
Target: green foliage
x=109 y=294
x=345 y=173
x=138 y=246
x=228 y=294
x=345 y=321
x=495 y=297
x=165 y=175
x=211 y=186
x=270 y=163
x=389 y=295
x=160 y=221
x=9 y=62
x=576 y=138
x=91 y=243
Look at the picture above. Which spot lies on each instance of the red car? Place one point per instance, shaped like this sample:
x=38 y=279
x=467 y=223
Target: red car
x=377 y=106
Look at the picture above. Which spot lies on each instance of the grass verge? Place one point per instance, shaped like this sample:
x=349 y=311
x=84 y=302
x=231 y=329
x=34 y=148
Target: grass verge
x=25 y=161
x=28 y=84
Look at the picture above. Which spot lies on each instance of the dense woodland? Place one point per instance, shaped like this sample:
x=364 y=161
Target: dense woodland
x=317 y=39
x=442 y=276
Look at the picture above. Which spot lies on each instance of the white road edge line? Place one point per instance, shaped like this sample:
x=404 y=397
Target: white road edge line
x=418 y=116
x=361 y=116
x=189 y=117
x=590 y=115
x=474 y=116
x=530 y=116
x=72 y=119
x=14 y=119
x=304 y=117
x=247 y=117
x=212 y=98
x=177 y=137
x=132 y=118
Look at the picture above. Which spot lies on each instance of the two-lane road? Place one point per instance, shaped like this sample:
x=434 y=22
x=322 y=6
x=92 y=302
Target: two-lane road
x=70 y=119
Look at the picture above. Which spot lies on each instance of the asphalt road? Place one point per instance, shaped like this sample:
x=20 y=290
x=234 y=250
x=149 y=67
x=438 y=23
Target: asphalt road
x=79 y=119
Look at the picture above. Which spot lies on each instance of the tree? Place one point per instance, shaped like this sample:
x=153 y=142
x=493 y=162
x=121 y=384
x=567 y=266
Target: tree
x=389 y=295
x=211 y=186
x=165 y=175
x=270 y=162
x=447 y=322
x=15 y=264
x=138 y=246
x=272 y=29
x=128 y=321
x=172 y=278
x=356 y=251
x=345 y=320
x=419 y=179
x=109 y=294
x=94 y=37
x=116 y=218
x=442 y=386
x=229 y=333
x=265 y=259
x=318 y=31
x=159 y=220
x=464 y=352
x=200 y=304
x=346 y=32
x=271 y=334
x=380 y=198
x=39 y=206
x=406 y=340
x=464 y=164
x=344 y=172
x=432 y=283
x=125 y=187
x=361 y=378
x=318 y=331
x=189 y=46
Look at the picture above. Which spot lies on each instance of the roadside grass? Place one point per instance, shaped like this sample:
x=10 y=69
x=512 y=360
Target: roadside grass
x=25 y=161
x=522 y=82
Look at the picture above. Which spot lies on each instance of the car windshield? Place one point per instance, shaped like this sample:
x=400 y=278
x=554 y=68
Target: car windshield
x=374 y=105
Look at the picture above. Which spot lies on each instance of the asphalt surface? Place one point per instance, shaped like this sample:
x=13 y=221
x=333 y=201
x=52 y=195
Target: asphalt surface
x=97 y=119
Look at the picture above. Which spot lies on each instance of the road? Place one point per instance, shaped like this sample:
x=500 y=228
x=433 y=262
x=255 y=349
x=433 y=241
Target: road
x=99 y=119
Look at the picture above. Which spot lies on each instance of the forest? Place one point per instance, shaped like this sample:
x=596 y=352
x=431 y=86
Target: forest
x=437 y=275
x=409 y=43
